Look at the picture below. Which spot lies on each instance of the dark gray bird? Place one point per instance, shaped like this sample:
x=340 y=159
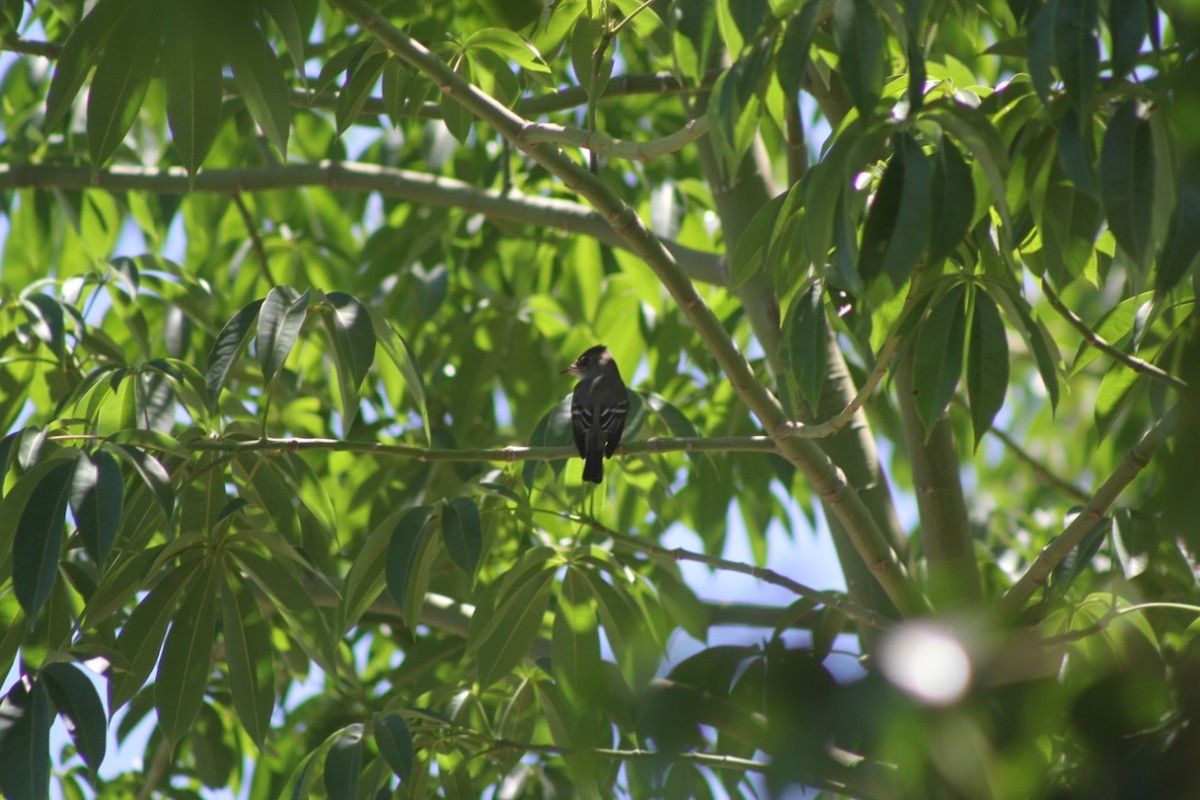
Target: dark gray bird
x=598 y=409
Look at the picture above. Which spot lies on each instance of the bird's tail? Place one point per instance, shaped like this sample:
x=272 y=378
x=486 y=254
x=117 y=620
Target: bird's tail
x=593 y=466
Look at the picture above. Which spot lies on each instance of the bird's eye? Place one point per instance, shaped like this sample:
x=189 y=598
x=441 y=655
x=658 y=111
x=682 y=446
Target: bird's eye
x=583 y=361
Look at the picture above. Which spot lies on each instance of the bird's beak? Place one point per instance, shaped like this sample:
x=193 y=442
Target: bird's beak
x=571 y=370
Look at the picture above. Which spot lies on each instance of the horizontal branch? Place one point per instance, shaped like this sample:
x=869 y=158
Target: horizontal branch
x=419 y=187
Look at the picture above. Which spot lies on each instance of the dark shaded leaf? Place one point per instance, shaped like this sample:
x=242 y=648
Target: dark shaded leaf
x=987 y=364
x=860 y=40
x=191 y=64
x=259 y=78
x=404 y=551
x=186 y=657
x=25 y=741
x=395 y=744
x=952 y=207
x=462 y=533
x=1128 y=22
x=80 y=53
x=121 y=80
x=343 y=764
x=804 y=342
x=97 y=500
x=755 y=242
x=897 y=226
x=357 y=90
x=353 y=336
x=39 y=538
x=1127 y=179
x=250 y=658
x=45 y=315
x=938 y=357
x=1076 y=50
x=229 y=345
x=1182 y=245
x=75 y=698
x=152 y=473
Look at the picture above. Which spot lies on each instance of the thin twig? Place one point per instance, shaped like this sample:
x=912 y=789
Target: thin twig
x=1095 y=340
x=1060 y=546
x=255 y=239
x=853 y=610
x=599 y=142
x=1057 y=481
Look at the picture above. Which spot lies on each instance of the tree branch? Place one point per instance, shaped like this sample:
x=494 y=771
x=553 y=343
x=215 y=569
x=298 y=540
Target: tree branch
x=1060 y=546
x=543 y=212
x=604 y=144
x=828 y=481
x=1095 y=340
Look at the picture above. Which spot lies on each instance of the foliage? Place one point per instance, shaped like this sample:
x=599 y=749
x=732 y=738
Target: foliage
x=286 y=287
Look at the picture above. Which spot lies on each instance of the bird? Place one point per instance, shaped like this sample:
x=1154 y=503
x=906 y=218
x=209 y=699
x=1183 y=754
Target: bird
x=598 y=408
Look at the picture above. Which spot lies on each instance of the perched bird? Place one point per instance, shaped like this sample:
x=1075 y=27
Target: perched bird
x=598 y=409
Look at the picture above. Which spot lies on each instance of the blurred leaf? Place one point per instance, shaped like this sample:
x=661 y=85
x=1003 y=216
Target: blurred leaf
x=39 y=538
x=575 y=643
x=754 y=243
x=1127 y=179
x=1182 y=245
x=191 y=65
x=952 y=196
x=1076 y=50
x=804 y=342
x=187 y=653
x=396 y=348
x=987 y=365
x=395 y=744
x=462 y=533
x=121 y=80
x=80 y=53
x=343 y=764
x=1128 y=22
x=860 y=37
x=518 y=620
x=353 y=337
x=357 y=90
x=25 y=719
x=792 y=59
x=45 y=316
x=75 y=698
x=259 y=78
x=938 y=359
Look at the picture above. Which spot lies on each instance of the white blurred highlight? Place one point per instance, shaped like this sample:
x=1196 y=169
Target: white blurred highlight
x=927 y=662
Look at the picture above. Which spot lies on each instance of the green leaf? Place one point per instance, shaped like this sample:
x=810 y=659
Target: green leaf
x=1127 y=179
x=1182 y=245
x=1070 y=222
x=404 y=552
x=754 y=243
x=804 y=342
x=39 y=538
x=25 y=719
x=509 y=46
x=952 y=207
x=552 y=430
x=365 y=579
x=259 y=78
x=45 y=316
x=141 y=637
x=396 y=348
x=191 y=64
x=396 y=81
x=860 y=41
x=1128 y=22
x=80 y=53
x=75 y=698
x=250 y=658
x=1041 y=50
x=284 y=14
x=357 y=90
x=457 y=117
x=229 y=345
x=987 y=364
x=353 y=337
x=518 y=620
x=792 y=59
x=1075 y=152
x=1076 y=50
x=121 y=80
x=1045 y=351
x=395 y=744
x=462 y=533
x=1121 y=323
x=152 y=473
x=575 y=644
x=187 y=653
x=279 y=321
x=97 y=500
x=897 y=227
x=343 y=763
x=937 y=362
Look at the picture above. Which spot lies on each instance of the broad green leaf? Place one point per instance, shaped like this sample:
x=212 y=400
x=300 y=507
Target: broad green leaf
x=1075 y=151
x=80 y=53
x=191 y=65
x=979 y=135
x=575 y=643
x=45 y=316
x=228 y=347
x=284 y=14
x=152 y=473
x=518 y=621
x=395 y=744
x=937 y=362
x=141 y=637
x=396 y=82
x=1128 y=22
x=365 y=579
x=792 y=59
x=121 y=80
x=987 y=364
x=353 y=337
x=279 y=321
x=357 y=90
x=404 y=552
x=1112 y=395
x=38 y=542
x=804 y=341
x=259 y=79
x=860 y=40
x=1127 y=179
x=455 y=115
x=1076 y=50
x=508 y=45
x=897 y=228
x=97 y=500
x=754 y=243
x=1071 y=223
x=952 y=195
x=75 y=698
x=267 y=488
x=552 y=430
x=1122 y=322
x=462 y=533
x=1041 y=50
x=187 y=653
x=1182 y=246
x=25 y=718
x=343 y=763
x=396 y=348
x=248 y=652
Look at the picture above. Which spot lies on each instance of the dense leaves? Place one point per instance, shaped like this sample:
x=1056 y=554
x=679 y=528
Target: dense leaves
x=287 y=289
